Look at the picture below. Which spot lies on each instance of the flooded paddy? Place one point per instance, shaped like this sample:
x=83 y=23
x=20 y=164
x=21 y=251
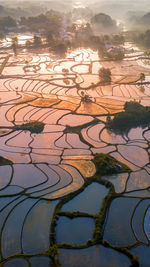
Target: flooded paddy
x=94 y=256
x=48 y=166
x=89 y=201
x=74 y=231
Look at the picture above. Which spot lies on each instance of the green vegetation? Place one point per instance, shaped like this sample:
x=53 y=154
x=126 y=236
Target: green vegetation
x=14 y=44
x=99 y=43
x=6 y=23
x=99 y=221
x=85 y=98
x=106 y=165
x=118 y=39
x=33 y=127
x=142 y=89
x=118 y=54
x=99 y=218
x=60 y=49
x=142 y=38
x=74 y=214
x=142 y=77
x=103 y=23
x=135 y=115
x=142 y=21
x=4 y=161
x=50 y=23
x=105 y=75
x=53 y=251
x=37 y=40
x=145 y=20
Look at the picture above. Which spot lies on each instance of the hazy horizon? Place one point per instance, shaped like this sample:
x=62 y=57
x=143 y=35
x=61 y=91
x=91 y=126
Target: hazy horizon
x=111 y=6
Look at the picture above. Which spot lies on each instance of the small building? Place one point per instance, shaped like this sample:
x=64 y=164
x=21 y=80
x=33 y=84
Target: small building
x=109 y=45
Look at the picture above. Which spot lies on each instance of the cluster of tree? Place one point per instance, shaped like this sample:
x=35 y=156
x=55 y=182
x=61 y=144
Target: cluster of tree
x=5 y=23
x=106 y=165
x=141 y=38
x=140 y=20
x=98 y=43
x=139 y=29
x=50 y=23
x=134 y=115
x=53 y=24
x=85 y=98
x=117 y=54
x=60 y=48
x=105 y=75
x=84 y=30
x=117 y=39
x=145 y=20
x=33 y=127
x=81 y=35
x=37 y=40
x=102 y=23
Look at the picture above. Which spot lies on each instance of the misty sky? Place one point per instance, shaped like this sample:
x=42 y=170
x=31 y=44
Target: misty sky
x=112 y=7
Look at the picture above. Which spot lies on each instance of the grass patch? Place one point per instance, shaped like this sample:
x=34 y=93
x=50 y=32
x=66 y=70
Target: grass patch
x=33 y=127
x=75 y=214
x=135 y=115
x=53 y=251
x=4 y=161
x=107 y=165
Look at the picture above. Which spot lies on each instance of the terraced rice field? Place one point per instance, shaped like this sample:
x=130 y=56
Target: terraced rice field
x=58 y=161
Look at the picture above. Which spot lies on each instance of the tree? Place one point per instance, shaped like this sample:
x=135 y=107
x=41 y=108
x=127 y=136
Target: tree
x=105 y=75
x=133 y=107
x=118 y=39
x=86 y=98
x=1 y=34
x=60 y=49
x=15 y=45
x=6 y=22
x=142 y=77
x=103 y=19
x=37 y=40
x=28 y=43
x=119 y=55
x=103 y=23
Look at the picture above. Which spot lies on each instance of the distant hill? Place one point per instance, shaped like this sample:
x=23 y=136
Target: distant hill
x=20 y=12
x=28 y=8
x=145 y=19
x=118 y=9
x=141 y=22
